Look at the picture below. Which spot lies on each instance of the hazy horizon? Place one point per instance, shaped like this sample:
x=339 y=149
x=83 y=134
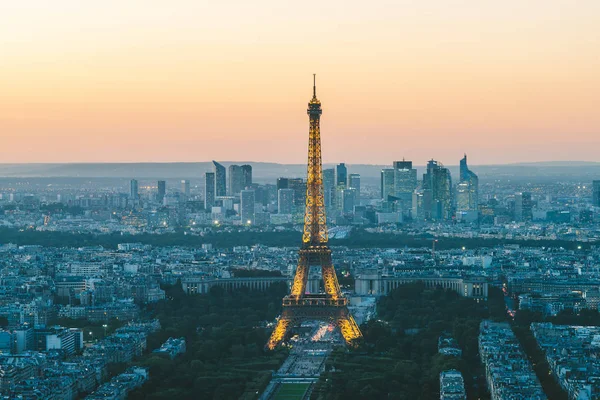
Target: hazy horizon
x=558 y=163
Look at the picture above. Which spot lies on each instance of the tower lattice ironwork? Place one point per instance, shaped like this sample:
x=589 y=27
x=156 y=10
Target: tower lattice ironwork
x=331 y=306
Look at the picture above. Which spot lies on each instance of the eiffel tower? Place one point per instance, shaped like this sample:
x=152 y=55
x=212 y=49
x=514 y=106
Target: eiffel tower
x=300 y=306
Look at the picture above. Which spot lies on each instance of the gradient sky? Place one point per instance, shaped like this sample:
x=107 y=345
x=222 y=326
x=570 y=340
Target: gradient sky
x=195 y=80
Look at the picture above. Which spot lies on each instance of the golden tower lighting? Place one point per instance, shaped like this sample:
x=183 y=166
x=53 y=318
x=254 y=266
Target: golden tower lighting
x=331 y=306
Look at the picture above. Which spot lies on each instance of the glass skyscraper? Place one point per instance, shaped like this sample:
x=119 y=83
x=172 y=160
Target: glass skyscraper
x=342 y=175
x=467 y=190
x=220 y=179
x=437 y=192
x=209 y=190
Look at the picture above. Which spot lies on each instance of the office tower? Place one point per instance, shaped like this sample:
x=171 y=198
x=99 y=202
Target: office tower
x=247 y=174
x=404 y=164
x=437 y=192
x=523 y=207
x=261 y=193
x=299 y=187
x=209 y=190
x=236 y=180
x=417 y=211
x=300 y=306
x=185 y=189
x=133 y=190
x=342 y=175
x=282 y=183
x=354 y=183
x=467 y=190
x=348 y=200
x=387 y=183
x=405 y=183
x=162 y=190
x=220 y=179
x=328 y=186
x=462 y=197
x=247 y=207
x=596 y=193
x=285 y=201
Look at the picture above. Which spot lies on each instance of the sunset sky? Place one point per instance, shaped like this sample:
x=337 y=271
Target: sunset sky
x=195 y=80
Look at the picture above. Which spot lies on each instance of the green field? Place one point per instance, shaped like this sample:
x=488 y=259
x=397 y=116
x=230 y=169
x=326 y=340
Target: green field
x=291 y=391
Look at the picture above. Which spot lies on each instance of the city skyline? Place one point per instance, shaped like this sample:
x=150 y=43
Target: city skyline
x=142 y=82
x=435 y=236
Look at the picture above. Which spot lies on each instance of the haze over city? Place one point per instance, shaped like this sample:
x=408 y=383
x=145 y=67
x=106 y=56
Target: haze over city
x=142 y=81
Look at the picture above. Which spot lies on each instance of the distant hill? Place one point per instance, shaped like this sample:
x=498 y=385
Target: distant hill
x=263 y=172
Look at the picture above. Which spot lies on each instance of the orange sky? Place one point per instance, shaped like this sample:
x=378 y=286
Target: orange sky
x=503 y=81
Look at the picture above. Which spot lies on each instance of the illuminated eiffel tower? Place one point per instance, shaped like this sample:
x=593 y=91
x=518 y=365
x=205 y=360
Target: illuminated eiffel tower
x=299 y=306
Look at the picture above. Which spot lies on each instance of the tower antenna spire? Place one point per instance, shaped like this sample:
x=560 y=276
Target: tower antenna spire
x=314 y=85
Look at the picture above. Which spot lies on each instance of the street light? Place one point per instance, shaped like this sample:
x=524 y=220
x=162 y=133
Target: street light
x=105 y=326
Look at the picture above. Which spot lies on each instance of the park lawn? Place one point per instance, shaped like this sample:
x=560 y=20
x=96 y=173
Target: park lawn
x=291 y=391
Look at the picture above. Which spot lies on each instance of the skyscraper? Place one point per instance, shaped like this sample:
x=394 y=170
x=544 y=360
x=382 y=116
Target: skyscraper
x=282 y=183
x=328 y=186
x=467 y=190
x=387 y=183
x=596 y=193
x=247 y=174
x=342 y=175
x=354 y=183
x=437 y=192
x=220 y=179
x=348 y=200
x=133 y=190
x=236 y=180
x=285 y=201
x=405 y=183
x=185 y=189
x=299 y=186
x=209 y=190
x=523 y=207
x=247 y=207
x=162 y=190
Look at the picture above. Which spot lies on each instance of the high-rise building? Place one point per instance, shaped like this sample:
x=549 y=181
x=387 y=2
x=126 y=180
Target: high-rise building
x=354 y=183
x=220 y=179
x=596 y=193
x=523 y=207
x=467 y=190
x=162 y=190
x=417 y=211
x=133 y=190
x=387 y=183
x=405 y=183
x=348 y=200
x=299 y=187
x=247 y=207
x=185 y=189
x=285 y=201
x=342 y=175
x=247 y=174
x=261 y=193
x=329 y=186
x=282 y=183
x=209 y=190
x=236 y=180
x=437 y=192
